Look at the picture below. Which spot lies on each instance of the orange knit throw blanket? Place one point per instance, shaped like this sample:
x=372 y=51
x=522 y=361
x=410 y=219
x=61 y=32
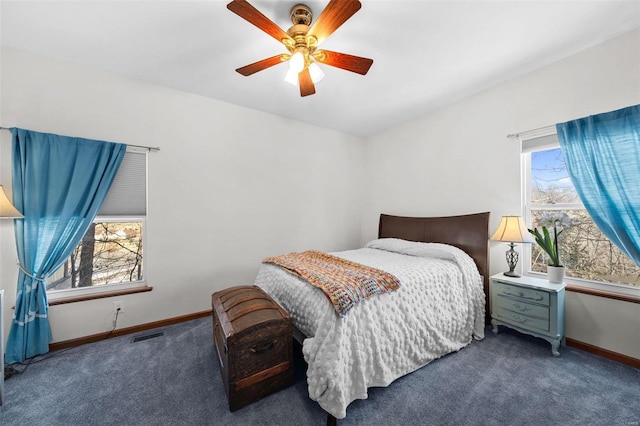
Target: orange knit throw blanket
x=345 y=283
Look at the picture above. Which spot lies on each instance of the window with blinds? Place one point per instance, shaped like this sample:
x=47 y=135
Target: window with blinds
x=110 y=253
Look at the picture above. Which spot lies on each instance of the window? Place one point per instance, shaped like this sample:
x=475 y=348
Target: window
x=585 y=252
x=110 y=254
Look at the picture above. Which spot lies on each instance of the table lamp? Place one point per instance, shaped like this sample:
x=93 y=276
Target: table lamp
x=512 y=230
x=7 y=210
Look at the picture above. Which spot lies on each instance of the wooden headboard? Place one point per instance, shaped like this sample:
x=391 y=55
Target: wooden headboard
x=468 y=232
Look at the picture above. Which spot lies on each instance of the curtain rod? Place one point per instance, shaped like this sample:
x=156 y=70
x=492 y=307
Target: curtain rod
x=540 y=131
x=150 y=148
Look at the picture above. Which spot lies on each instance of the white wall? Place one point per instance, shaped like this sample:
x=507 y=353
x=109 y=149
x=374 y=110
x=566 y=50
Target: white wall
x=229 y=186
x=459 y=160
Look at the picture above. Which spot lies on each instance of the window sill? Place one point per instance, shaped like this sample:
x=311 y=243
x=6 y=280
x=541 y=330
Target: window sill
x=101 y=295
x=602 y=293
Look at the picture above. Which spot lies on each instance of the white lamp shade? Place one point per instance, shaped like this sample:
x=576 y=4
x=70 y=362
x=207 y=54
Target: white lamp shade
x=315 y=72
x=513 y=230
x=296 y=62
x=7 y=210
x=291 y=77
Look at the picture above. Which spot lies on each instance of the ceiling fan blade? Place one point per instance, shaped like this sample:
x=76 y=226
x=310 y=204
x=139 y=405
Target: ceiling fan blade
x=255 y=17
x=247 y=70
x=334 y=15
x=306 y=84
x=344 y=61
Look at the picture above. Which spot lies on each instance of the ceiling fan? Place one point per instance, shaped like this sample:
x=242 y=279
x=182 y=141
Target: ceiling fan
x=302 y=39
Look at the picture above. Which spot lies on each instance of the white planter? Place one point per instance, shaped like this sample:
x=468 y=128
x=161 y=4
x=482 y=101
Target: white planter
x=555 y=274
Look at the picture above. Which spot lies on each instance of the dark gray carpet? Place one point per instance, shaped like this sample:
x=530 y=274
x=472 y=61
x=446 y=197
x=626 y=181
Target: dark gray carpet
x=510 y=379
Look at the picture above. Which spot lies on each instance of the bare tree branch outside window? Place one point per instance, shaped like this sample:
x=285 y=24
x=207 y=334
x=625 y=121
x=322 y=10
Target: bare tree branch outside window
x=110 y=252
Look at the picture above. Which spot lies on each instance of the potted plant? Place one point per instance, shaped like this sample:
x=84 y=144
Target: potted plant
x=549 y=243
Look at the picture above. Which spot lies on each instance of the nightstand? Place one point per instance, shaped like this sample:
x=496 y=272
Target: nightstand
x=529 y=305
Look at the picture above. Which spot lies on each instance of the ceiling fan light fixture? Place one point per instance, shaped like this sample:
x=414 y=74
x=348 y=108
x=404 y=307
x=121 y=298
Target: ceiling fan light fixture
x=316 y=72
x=291 y=77
x=296 y=63
x=302 y=39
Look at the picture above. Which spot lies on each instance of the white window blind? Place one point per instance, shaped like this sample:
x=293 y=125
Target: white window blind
x=540 y=143
x=128 y=193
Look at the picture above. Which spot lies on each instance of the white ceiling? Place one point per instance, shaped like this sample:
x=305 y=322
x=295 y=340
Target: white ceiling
x=426 y=53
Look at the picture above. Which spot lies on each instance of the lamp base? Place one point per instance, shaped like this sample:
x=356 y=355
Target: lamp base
x=512 y=261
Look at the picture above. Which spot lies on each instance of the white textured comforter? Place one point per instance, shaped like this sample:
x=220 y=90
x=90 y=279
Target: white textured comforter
x=437 y=309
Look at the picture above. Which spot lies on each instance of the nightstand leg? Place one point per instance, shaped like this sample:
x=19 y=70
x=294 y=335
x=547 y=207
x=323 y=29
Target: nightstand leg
x=555 y=344
x=495 y=326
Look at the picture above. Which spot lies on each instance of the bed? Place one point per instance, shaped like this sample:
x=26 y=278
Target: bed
x=440 y=307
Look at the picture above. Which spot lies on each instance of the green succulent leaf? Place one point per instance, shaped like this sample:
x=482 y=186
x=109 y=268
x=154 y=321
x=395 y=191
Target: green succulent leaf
x=548 y=243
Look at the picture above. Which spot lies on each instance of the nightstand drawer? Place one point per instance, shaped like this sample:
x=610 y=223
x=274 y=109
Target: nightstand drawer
x=522 y=294
x=522 y=320
x=522 y=307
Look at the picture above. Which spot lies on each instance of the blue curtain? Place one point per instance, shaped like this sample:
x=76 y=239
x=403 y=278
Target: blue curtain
x=59 y=184
x=602 y=154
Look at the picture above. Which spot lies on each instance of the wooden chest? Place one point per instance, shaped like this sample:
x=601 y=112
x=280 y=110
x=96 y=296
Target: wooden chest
x=253 y=340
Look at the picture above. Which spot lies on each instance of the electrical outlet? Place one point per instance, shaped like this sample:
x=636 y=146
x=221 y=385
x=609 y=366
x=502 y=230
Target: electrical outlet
x=118 y=306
